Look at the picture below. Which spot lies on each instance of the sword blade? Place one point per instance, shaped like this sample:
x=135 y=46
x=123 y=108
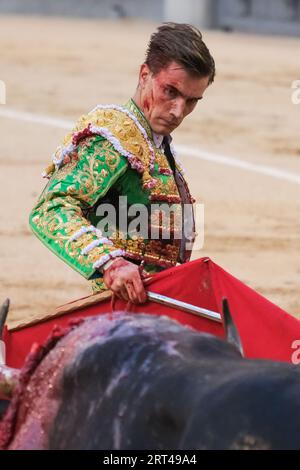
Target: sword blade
x=2 y=352
x=186 y=307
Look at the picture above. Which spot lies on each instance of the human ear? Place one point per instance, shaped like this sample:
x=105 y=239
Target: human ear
x=144 y=75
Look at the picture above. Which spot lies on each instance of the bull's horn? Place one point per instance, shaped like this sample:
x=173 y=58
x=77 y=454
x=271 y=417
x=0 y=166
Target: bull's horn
x=232 y=334
x=9 y=379
x=3 y=315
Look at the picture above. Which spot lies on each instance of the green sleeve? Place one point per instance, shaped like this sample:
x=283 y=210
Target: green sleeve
x=58 y=220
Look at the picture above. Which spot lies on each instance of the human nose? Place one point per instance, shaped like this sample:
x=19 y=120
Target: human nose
x=178 y=108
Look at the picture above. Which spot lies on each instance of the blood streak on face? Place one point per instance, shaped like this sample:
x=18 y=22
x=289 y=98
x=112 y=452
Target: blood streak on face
x=167 y=97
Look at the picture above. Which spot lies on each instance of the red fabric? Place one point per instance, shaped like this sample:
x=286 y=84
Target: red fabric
x=266 y=331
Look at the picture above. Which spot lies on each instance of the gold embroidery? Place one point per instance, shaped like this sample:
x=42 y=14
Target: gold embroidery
x=97 y=161
x=126 y=134
x=161 y=160
x=152 y=252
x=165 y=189
x=70 y=163
x=118 y=124
x=166 y=221
x=131 y=106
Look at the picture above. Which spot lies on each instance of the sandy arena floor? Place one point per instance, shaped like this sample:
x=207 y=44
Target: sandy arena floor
x=63 y=68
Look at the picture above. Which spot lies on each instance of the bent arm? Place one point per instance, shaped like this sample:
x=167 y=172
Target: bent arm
x=58 y=217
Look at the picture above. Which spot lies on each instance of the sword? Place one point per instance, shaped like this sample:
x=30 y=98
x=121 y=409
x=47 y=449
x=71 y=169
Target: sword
x=2 y=352
x=3 y=315
x=186 y=307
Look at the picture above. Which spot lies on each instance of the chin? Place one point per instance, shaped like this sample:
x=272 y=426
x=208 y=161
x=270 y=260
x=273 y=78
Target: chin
x=162 y=130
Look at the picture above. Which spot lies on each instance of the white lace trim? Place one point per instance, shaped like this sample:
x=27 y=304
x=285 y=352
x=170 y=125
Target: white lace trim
x=129 y=114
x=134 y=118
x=84 y=230
x=105 y=258
x=104 y=132
x=95 y=243
x=64 y=152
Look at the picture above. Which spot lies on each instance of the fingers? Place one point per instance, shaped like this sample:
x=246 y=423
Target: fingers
x=122 y=294
x=131 y=293
x=119 y=289
x=139 y=289
x=125 y=281
x=132 y=289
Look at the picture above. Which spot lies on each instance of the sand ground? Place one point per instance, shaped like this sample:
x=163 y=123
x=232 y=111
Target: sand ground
x=63 y=68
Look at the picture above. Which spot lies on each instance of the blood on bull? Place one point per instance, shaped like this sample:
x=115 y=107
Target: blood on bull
x=147 y=382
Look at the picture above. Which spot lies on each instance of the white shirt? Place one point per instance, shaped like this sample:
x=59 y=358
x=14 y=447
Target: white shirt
x=158 y=140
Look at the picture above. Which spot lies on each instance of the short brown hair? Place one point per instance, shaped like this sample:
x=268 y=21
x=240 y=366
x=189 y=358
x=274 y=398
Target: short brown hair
x=181 y=43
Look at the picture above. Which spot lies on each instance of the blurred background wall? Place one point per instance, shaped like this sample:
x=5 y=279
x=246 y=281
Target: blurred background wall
x=151 y=9
x=267 y=16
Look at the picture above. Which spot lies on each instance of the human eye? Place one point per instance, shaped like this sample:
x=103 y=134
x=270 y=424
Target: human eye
x=171 y=92
x=193 y=101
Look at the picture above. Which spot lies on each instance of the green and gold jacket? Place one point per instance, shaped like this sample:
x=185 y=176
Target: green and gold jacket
x=111 y=153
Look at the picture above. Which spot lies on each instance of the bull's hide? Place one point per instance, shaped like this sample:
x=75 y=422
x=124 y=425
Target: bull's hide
x=139 y=381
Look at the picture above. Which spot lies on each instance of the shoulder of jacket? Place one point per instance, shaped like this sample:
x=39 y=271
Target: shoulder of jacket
x=120 y=128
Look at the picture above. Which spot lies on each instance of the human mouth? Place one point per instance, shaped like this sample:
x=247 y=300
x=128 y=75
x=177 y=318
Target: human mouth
x=169 y=123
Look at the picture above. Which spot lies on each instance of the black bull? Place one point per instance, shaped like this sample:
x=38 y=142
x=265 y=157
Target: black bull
x=146 y=382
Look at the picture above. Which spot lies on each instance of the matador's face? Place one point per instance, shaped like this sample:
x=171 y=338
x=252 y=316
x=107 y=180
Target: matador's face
x=167 y=97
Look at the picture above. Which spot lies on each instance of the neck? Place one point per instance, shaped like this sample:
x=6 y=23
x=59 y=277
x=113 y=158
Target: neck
x=137 y=99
